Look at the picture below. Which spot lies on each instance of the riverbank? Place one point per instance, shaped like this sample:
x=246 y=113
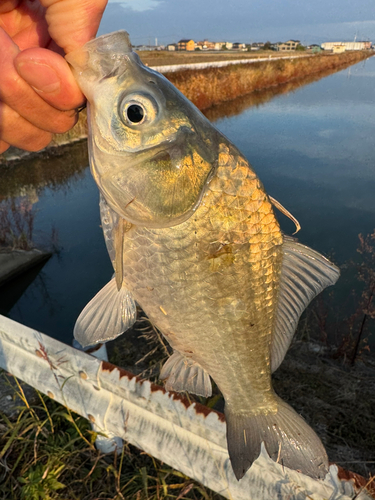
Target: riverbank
x=164 y=57
x=211 y=86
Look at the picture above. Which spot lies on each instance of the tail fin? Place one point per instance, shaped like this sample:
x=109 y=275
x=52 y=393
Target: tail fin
x=288 y=439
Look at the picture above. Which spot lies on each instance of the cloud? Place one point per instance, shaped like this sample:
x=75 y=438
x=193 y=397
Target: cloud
x=310 y=22
x=138 y=5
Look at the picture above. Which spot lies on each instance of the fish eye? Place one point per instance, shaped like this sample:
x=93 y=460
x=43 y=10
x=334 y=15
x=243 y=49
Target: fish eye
x=137 y=109
x=135 y=113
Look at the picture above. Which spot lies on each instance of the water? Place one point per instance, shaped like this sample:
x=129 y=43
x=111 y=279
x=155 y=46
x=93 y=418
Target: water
x=312 y=146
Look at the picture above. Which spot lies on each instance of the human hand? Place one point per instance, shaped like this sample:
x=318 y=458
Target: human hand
x=38 y=94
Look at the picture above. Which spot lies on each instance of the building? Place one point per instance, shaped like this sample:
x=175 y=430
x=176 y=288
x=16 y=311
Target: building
x=239 y=46
x=339 y=48
x=172 y=46
x=219 y=45
x=289 y=45
x=346 y=45
x=205 y=45
x=186 y=44
x=257 y=46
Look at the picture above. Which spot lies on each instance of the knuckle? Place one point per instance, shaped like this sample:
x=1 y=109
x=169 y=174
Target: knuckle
x=65 y=122
x=37 y=141
x=3 y=146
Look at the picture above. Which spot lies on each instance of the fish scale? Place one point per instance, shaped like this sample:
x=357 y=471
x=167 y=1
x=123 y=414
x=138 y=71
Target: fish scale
x=214 y=307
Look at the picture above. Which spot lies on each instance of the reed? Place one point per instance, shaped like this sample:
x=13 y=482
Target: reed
x=211 y=86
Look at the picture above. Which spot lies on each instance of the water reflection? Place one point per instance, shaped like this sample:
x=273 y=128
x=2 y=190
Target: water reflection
x=261 y=97
x=53 y=169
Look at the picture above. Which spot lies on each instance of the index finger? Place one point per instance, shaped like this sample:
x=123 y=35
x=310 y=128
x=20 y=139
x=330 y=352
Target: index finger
x=72 y=23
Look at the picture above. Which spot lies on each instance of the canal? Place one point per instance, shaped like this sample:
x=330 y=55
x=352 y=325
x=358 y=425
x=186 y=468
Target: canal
x=310 y=142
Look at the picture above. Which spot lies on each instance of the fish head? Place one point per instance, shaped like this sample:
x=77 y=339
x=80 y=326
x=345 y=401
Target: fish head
x=152 y=153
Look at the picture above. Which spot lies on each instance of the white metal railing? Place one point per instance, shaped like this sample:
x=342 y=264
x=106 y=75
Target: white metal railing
x=218 y=64
x=189 y=437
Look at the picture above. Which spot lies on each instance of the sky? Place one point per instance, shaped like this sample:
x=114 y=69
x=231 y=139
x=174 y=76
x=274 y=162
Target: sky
x=244 y=21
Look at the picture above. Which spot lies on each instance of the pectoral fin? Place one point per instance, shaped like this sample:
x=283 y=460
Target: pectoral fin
x=109 y=314
x=114 y=228
x=184 y=374
x=304 y=274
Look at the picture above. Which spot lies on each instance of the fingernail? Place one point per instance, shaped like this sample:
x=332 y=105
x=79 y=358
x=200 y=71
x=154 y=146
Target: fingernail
x=40 y=76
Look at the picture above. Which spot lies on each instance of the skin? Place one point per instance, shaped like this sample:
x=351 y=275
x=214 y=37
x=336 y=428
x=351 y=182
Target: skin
x=38 y=93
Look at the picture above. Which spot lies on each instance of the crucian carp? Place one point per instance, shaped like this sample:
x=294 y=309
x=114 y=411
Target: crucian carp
x=194 y=241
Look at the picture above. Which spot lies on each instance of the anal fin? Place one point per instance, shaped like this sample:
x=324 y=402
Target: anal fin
x=109 y=314
x=184 y=374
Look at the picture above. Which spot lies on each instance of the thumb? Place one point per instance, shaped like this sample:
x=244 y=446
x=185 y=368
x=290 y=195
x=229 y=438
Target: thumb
x=72 y=23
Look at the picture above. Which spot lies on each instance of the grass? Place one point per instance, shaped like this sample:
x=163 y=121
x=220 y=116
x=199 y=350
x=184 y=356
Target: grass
x=47 y=452
x=211 y=86
x=165 y=58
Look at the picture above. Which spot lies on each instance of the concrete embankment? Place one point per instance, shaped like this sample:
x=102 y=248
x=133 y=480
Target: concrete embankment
x=15 y=262
x=172 y=68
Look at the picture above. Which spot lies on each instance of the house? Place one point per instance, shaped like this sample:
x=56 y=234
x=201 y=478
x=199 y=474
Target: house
x=186 y=44
x=257 y=46
x=289 y=45
x=239 y=46
x=205 y=45
x=229 y=45
x=172 y=46
x=219 y=45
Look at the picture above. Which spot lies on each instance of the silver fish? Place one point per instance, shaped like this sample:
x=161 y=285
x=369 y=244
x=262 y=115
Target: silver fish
x=194 y=240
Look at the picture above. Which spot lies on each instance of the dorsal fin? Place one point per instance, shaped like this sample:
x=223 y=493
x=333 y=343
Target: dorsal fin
x=286 y=212
x=304 y=274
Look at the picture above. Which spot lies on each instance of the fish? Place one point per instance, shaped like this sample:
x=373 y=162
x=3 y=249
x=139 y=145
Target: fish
x=194 y=240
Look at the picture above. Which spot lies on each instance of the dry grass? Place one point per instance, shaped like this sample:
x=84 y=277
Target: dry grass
x=47 y=453
x=165 y=58
x=211 y=86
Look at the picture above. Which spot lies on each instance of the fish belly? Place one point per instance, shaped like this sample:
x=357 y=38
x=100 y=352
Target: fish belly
x=210 y=284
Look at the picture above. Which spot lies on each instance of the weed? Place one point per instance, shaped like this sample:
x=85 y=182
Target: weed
x=47 y=453
x=211 y=86
x=16 y=223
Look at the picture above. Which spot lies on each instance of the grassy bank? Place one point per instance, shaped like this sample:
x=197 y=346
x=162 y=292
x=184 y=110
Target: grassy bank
x=48 y=453
x=211 y=86
x=165 y=58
